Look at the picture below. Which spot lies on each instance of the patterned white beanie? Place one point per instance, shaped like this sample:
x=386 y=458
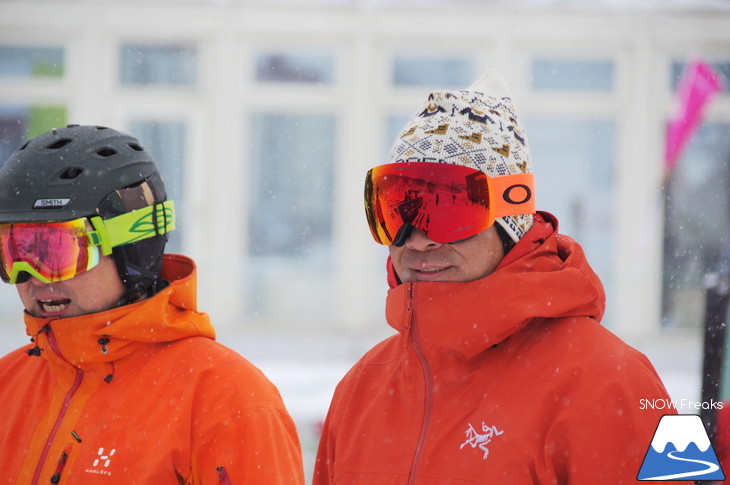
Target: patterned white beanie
x=476 y=127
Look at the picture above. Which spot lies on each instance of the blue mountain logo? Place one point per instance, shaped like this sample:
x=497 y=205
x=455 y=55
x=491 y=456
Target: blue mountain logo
x=680 y=450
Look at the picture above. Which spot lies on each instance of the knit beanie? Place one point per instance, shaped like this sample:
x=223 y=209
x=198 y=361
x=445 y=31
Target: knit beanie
x=476 y=127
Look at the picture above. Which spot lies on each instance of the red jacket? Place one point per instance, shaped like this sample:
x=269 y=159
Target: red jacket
x=508 y=379
x=722 y=435
x=141 y=394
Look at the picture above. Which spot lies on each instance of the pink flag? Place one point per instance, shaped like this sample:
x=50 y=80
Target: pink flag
x=698 y=85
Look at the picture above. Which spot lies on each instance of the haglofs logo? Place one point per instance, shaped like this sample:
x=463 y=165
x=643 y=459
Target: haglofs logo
x=474 y=438
x=101 y=463
x=680 y=450
x=104 y=458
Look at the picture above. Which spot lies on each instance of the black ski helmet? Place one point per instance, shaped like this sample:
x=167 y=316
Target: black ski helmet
x=84 y=171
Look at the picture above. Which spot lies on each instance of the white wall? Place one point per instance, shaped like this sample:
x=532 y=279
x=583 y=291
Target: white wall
x=363 y=38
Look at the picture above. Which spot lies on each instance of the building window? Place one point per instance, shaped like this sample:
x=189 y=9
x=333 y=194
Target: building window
x=22 y=122
x=721 y=68
x=572 y=75
x=291 y=197
x=573 y=161
x=158 y=64
x=441 y=72
x=165 y=140
x=289 y=238
x=31 y=62
x=697 y=218
x=295 y=67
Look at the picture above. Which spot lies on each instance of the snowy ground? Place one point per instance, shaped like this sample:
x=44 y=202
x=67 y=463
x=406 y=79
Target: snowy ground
x=306 y=368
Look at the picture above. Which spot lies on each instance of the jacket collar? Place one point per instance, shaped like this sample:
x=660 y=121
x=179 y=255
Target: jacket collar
x=169 y=315
x=544 y=276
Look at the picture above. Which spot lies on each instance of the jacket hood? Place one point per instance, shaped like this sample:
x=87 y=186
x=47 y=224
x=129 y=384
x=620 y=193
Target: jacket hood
x=169 y=315
x=544 y=276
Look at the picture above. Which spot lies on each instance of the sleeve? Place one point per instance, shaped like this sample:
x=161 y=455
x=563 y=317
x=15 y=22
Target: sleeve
x=606 y=445
x=722 y=434
x=242 y=433
x=323 y=464
x=257 y=447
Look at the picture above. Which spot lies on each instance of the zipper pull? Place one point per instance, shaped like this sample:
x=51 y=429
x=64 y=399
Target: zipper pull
x=223 y=477
x=409 y=306
x=61 y=463
x=36 y=351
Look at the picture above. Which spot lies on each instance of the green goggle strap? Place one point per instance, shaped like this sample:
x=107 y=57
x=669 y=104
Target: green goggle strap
x=132 y=226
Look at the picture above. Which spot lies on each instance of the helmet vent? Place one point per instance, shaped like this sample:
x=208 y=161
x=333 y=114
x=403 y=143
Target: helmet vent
x=71 y=173
x=135 y=147
x=59 y=144
x=106 y=152
x=24 y=145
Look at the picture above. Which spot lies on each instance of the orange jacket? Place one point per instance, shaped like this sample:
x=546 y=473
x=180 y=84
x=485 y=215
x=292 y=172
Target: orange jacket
x=141 y=394
x=508 y=379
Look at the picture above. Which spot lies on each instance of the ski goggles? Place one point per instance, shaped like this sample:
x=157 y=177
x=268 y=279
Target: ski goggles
x=57 y=251
x=448 y=203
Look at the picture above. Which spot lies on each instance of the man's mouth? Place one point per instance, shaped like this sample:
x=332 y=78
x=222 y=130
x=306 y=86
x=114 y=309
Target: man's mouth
x=432 y=273
x=54 y=306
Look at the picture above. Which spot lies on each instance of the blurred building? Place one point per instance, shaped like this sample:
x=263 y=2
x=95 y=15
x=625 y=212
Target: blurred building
x=265 y=117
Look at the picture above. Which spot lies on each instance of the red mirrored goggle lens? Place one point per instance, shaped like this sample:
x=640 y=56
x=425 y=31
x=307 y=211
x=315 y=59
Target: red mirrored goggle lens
x=50 y=251
x=446 y=202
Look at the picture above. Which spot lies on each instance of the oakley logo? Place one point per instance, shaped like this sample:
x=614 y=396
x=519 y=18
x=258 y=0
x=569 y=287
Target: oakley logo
x=50 y=203
x=105 y=459
x=522 y=195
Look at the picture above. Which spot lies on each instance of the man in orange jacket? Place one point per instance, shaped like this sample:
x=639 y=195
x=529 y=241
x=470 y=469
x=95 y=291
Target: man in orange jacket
x=123 y=382
x=500 y=371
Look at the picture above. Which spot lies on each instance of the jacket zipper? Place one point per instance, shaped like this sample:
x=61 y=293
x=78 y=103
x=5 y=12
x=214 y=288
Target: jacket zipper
x=61 y=463
x=223 y=477
x=428 y=381
x=64 y=407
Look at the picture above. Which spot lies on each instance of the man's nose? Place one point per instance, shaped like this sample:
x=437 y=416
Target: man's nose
x=418 y=241
x=35 y=281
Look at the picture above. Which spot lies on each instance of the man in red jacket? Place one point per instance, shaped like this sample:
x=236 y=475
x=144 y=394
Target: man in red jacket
x=500 y=371
x=124 y=382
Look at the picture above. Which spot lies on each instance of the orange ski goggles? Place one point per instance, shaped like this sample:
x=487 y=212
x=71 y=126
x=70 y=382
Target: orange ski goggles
x=448 y=203
x=57 y=251
x=51 y=251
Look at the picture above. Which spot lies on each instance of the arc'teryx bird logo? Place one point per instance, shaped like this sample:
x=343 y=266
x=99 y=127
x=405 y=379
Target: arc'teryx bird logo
x=474 y=439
